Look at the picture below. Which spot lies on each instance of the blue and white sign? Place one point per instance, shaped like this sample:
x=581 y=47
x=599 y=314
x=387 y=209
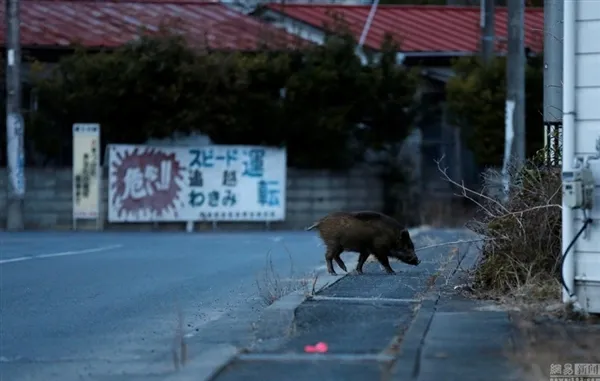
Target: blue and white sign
x=207 y=183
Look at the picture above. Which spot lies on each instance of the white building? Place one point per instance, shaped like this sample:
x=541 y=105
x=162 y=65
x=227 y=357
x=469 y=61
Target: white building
x=581 y=126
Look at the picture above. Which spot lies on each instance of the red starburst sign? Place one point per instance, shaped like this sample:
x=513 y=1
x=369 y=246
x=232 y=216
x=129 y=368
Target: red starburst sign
x=146 y=184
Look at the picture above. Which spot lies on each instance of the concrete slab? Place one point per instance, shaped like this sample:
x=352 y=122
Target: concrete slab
x=406 y=366
x=463 y=332
x=460 y=346
x=206 y=365
x=302 y=371
x=277 y=320
x=348 y=327
x=409 y=363
x=373 y=283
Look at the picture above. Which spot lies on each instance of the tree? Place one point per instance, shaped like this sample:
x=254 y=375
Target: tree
x=148 y=88
x=313 y=101
x=389 y=109
x=323 y=104
x=476 y=97
x=246 y=98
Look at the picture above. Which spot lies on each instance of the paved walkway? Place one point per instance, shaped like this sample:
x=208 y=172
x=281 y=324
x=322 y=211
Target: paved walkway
x=383 y=327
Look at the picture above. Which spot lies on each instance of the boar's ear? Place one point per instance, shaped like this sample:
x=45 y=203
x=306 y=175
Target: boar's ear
x=405 y=235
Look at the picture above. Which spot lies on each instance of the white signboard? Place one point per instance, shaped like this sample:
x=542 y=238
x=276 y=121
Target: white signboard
x=86 y=171
x=205 y=183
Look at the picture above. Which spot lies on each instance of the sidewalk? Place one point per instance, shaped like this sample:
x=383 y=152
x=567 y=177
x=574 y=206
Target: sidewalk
x=411 y=326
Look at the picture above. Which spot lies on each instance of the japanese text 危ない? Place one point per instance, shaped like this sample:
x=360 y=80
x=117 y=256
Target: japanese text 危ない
x=140 y=184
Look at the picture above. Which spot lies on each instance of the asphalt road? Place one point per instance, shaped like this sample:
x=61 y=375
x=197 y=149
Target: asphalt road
x=104 y=306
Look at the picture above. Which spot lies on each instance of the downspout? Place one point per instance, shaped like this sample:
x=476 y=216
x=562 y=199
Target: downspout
x=568 y=144
x=365 y=31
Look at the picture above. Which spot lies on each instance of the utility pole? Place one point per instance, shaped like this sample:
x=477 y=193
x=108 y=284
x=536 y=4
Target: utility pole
x=14 y=120
x=515 y=78
x=553 y=72
x=514 y=140
x=487 y=24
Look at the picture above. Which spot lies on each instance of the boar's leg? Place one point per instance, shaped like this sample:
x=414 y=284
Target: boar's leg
x=338 y=260
x=332 y=252
x=362 y=258
x=382 y=257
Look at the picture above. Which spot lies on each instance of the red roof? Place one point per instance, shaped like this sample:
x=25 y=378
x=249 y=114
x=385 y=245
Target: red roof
x=419 y=28
x=110 y=24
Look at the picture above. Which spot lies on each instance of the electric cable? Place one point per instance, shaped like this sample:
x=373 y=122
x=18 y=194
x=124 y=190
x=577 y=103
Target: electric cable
x=562 y=261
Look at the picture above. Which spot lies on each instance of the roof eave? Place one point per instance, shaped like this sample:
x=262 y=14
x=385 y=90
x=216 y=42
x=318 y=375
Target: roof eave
x=437 y=54
x=71 y=48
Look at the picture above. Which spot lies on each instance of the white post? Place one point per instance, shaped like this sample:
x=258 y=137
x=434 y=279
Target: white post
x=568 y=146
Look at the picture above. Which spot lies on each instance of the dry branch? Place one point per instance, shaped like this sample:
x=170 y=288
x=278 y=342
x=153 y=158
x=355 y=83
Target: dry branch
x=452 y=243
x=273 y=286
x=522 y=236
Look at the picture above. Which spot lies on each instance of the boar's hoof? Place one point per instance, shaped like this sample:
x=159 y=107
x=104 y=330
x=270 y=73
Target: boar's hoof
x=332 y=273
x=390 y=272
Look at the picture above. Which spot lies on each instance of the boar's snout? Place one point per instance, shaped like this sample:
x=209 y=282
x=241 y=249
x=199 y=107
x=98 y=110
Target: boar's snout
x=408 y=257
x=414 y=260
x=405 y=249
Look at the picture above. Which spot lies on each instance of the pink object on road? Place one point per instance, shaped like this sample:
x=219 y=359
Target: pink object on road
x=320 y=347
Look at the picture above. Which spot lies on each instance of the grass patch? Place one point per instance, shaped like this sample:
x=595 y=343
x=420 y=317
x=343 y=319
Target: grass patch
x=273 y=285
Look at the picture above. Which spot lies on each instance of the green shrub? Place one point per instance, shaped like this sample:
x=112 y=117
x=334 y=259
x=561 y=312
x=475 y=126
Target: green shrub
x=313 y=101
x=477 y=97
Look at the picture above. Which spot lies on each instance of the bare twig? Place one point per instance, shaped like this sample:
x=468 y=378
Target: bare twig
x=452 y=243
x=179 y=345
x=272 y=286
x=466 y=190
x=522 y=236
x=313 y=290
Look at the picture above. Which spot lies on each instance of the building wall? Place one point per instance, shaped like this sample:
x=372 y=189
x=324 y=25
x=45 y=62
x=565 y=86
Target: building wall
x=310 y=195
x=587 y=127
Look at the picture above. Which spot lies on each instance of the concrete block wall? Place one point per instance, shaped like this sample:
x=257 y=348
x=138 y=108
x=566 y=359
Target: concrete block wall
x=310 y=195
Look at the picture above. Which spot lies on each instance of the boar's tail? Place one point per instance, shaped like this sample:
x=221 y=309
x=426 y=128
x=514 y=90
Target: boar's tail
x=311 y=227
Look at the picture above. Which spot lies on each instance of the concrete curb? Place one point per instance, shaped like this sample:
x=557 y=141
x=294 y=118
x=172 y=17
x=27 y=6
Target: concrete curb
x=206 y=365
x=278 y=319
x=407 y=365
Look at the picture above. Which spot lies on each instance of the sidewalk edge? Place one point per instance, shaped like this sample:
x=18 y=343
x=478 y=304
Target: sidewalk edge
x=407 y=364
x=278 y=319
x=206 y=365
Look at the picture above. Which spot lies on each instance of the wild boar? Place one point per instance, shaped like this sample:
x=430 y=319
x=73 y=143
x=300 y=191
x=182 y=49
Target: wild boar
x=364 y=232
